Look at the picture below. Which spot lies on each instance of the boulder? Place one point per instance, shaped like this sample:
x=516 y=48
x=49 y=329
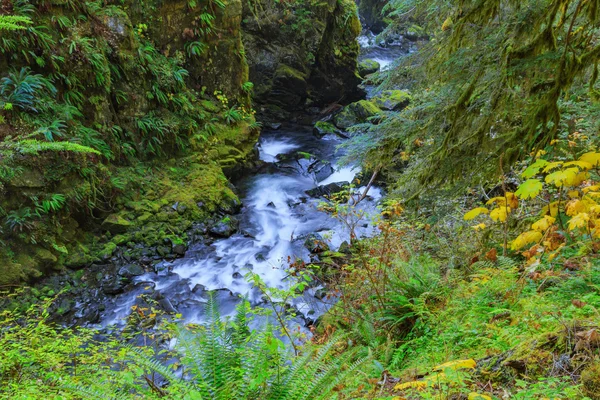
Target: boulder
x=131 y=270
x=114 y=223
x=368 y=67
x=326 y=190
x=315 y=243
x=323 y=128
x=321 y=170
x=355 y=113
x=392 y=100
x=225 y=227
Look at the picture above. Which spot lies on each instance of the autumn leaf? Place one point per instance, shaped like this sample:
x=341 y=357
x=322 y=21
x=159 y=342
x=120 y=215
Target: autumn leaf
x=477 y=396
x=551 y=209
x=581 y=164
x=575 y=207
x=500 y=214
x=563 y=177
x=529 y=189
x=592 y=158
x=543 y=224
x=525 y=238
x=475 y=212
x=479 y=227
x=579 y=221
x=411 y=385
x=550 y=166
x=457 y=364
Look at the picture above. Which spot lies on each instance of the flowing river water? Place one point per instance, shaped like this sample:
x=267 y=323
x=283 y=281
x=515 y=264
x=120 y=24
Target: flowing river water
x=276 y=219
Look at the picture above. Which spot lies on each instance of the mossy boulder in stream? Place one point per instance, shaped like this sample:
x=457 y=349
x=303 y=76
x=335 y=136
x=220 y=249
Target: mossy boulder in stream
x=368 y=67
x=355 y=113
x=392 y=100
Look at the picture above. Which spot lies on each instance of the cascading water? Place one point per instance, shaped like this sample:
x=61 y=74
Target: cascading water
x=276 y=218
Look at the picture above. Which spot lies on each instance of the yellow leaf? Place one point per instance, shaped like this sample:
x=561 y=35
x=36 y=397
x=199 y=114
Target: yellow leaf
x=581 y=164
x=500 y=214
x=500 y=200
x=411 y=385
x=525 y=238
x=475 y=212
x=591 y=158
x=573 y=194
x=479 y=227
x=552 y=165
x=551 y=209
x=562 y=177
x=575 y=207
x=477 y=396
x=457 y=364
x=579 y=221
x=594 y=210
x=543 y=224
x=590 y=188
x=579 y=179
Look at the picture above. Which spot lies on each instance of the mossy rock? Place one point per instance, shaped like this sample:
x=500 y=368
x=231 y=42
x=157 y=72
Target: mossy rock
x=356 y=113
x=78 y=257
x=368 y=67
x=590 y=380
x=323 y=128
x=114 y=223
x=392 y=100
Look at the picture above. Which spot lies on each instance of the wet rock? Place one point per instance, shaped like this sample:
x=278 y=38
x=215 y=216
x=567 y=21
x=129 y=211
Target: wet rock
x=356 y=113
x=230 y=205
x=131 y=270
x=260 y=257
x=275 y=126
x=320 y=293
x=392 y=100
x=271 y=205
x=166 y=305
x=225 y=227
x=321 y=170
x=162 y=268
x=65 y=306
x=322 y=128
x=179 y=250
x=326 y=190
x=199 y=290
x=114 y=285
x=115 y=224
x=237 y=275
x=368 y=67
x=315 y=243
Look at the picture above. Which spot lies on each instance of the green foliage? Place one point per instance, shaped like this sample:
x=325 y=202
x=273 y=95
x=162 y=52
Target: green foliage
x=14 y=22
x=24 y=89
x=223 y=359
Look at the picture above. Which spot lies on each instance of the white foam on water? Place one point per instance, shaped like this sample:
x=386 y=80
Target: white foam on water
x=344 y=174
x=270 y=148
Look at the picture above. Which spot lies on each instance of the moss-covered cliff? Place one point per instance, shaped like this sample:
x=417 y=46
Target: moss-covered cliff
x=117 y=121
x=121 y=120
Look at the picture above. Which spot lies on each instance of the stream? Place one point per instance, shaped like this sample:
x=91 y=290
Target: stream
x=278 y=222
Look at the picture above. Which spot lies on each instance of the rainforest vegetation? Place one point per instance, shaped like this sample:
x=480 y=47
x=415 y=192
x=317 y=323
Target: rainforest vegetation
x=130 y=131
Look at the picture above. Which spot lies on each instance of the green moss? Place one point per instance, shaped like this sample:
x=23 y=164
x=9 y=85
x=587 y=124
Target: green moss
x=367 y=67
x=590 y=379
x=326 y=127
x=392 y=99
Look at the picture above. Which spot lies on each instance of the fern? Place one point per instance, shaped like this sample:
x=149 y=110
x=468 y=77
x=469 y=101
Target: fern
x=14 y=22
